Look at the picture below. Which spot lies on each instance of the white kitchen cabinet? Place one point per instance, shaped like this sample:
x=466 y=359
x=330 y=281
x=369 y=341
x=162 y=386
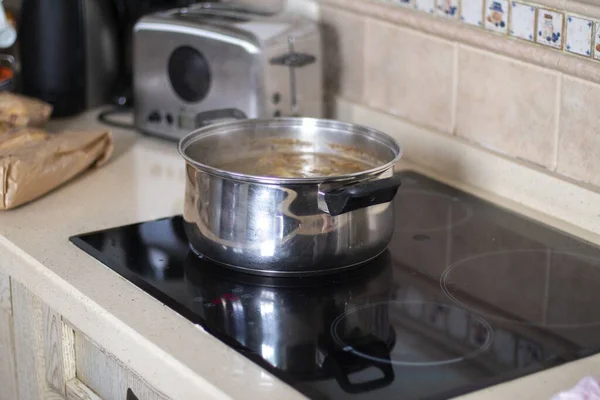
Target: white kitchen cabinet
x=42 y=357
x=8 y=376
x=107 y=376
x=77 y=390
x=37 y=348
x=5 y=297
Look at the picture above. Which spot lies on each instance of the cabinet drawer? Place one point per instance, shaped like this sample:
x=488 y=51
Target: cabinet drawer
x=107 y=376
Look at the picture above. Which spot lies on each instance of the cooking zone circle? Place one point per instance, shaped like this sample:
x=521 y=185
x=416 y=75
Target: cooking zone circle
x=424 y=211
x=541 y=287
x=427 y=334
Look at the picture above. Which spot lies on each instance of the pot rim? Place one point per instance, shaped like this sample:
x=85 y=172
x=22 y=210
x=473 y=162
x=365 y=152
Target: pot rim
x=290 y=122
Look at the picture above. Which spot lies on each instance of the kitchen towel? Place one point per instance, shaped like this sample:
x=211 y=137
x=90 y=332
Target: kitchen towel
x=586 y=389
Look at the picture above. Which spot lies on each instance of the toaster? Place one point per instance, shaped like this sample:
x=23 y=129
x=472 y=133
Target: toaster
x=212 y=62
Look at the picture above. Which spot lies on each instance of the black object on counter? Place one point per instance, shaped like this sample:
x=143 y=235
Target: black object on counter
x=76 y=54
x=467 y=295
x=69 y=52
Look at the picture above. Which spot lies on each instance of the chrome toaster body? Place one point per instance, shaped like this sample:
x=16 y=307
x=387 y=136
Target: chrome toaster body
x=203 y=64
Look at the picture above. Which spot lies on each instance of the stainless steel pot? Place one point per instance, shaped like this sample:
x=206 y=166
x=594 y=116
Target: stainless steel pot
x=288 y=226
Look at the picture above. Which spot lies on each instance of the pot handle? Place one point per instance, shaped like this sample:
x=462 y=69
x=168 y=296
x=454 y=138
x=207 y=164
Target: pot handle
x=344 y=381
x=361 y=195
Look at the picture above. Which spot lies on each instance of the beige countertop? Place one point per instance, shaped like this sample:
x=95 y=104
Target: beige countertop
x=143 y=181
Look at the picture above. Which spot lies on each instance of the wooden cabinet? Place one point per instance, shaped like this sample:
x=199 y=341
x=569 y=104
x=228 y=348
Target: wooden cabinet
x=77 y=390
x=107 y=376
x=42 y=357
x=39 y=359
x=8 y=376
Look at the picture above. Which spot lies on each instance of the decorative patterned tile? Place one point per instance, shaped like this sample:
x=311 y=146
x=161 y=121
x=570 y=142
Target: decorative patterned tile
x=447 y=8
x=573 y=34
x=550 y=28
x=425 y=5
x=522 y=21
x=597 y=41
x=578 y=38
x=496 y=13
x=471 y=12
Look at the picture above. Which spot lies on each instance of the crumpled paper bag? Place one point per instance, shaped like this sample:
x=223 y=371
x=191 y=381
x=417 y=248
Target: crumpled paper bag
x=14 y=138
x=32 y=162
x=17 y=110
x=586 y=389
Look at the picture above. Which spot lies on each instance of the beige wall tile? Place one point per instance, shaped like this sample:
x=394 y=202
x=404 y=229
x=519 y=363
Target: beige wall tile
x=507 y=106
x=409 y=74
x=590 y=8
x=343 y=52
x=579 y=134
x=544 y=56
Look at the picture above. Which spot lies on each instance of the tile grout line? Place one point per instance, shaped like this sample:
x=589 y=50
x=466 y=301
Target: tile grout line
x=366 y=36
x=557 y=113
x=453 y=117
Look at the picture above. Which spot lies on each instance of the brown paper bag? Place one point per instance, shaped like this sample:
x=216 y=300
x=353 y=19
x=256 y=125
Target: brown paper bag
x=20 y=137
x=17 y=110
x=38 y=166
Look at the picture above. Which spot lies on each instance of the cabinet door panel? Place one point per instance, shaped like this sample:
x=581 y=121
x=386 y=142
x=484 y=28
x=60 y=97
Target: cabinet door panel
x=5 y=298
x=76 y=390
x=59 y=350
x=107 y=376
x=8 y=376
x=30 y=347
x=27 y=311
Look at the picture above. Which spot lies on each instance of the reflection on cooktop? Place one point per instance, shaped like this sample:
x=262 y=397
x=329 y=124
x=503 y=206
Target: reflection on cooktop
x=470 y=333
x=468 y=295
x=446 y=212
x=550 y=288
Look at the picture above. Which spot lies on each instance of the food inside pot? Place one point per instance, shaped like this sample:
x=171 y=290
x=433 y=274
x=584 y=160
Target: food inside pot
x=297 y=165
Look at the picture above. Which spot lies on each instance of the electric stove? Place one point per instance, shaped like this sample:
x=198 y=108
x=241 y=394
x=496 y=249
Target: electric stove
x=467 y=295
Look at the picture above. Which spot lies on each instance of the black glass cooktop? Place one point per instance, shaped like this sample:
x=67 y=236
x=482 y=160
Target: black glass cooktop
x=466 y=296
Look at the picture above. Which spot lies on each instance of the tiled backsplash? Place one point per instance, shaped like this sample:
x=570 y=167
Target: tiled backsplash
x=514 y=78
x=523 y=20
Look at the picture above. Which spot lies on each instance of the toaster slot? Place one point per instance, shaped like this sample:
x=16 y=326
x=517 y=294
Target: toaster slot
x=216 y=12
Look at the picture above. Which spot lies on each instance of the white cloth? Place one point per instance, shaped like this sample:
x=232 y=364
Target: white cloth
x=586 y=389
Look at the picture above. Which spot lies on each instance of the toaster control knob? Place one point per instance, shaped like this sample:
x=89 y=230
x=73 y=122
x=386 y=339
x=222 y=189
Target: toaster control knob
x=154 y=117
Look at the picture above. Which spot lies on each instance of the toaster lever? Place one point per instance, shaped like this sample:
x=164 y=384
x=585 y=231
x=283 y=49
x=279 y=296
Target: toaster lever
x=294 y=60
